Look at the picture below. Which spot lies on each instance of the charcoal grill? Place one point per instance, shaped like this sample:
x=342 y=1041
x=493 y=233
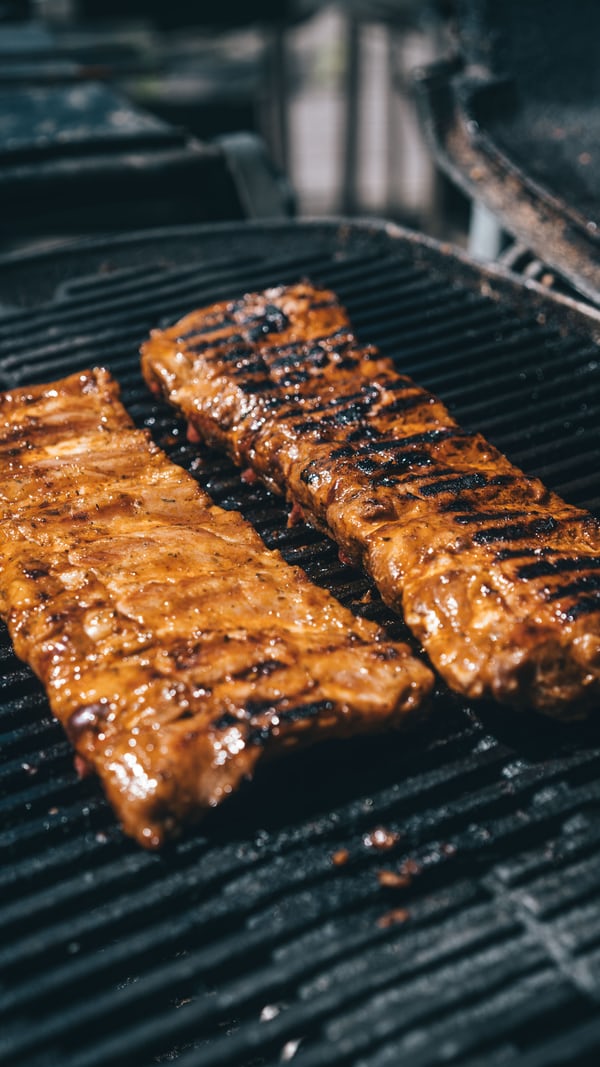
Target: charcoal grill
x=270 y=935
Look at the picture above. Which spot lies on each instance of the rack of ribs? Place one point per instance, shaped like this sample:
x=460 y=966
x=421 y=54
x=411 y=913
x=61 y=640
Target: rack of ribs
x=175 y=648
x=498 y=578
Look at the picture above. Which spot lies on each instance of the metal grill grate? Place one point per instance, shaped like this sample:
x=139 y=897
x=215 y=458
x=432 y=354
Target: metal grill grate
x=271 y=934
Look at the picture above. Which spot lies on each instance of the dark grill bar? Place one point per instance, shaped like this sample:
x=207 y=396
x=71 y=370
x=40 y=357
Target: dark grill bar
x=279 y=931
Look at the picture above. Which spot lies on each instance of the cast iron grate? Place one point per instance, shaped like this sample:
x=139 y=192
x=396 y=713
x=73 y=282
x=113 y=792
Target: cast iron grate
x=271 y=934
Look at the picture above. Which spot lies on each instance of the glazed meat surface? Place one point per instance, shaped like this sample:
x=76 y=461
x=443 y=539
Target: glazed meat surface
x=497 y=577
x=175 y=648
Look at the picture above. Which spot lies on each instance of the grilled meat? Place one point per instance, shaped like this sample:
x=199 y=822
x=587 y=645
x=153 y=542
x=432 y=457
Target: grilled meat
x=497 y=577
x=175 y=648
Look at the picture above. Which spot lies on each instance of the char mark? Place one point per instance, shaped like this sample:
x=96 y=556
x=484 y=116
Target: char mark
x=403 y=465
x=272 y=320
x=367 y=466
x=238 y=353
x=586 y=583
x=364 y=432
x=294 y=377
x=366 y=395
x=258 y=710
x=315 y=354
x=326 y=339
x=341 y=411
x=225 y=721
x=351 y=415
x=416 y=439
x=254 y=364
x=516 y=553
x=586 y=605
x=35 y=573
x=516 y=531
x=544 y=568
x=456 y=485
x=251 y=387
x=344 y=452
x=310 y=475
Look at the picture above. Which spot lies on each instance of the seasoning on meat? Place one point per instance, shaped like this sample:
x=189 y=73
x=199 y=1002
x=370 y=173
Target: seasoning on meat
x=497 y=577
x=175 y=648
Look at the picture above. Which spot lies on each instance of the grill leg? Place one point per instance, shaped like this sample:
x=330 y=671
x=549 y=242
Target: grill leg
x=279 y=97
x=349 y=196
x=485 y=233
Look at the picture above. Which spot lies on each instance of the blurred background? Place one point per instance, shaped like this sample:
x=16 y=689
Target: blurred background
x=471 y=121
x=323 y=92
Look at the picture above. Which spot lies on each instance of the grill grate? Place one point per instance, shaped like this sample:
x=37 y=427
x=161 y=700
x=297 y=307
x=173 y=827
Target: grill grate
x=271 y=933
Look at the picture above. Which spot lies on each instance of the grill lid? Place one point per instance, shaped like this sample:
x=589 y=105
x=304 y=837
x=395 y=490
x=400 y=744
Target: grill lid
x=515 y=123
x=286 y=926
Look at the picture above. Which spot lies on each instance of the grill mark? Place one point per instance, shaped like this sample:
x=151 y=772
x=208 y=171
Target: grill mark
x=299 y=713
x=272 y=320
x=515 y=531
x=367 y=393
x=505 y=479
x=310 y=425
x=314 y=357
x=317 y=354
x=225 y=721
x=239 y=353
x=252 y=387
x=294 y=377
x=367 y=466
x=404 y=464
x=586 y=583
x=516 y=553
x=35 y=573
x=257 y=670
x=427 y=437
x=364 y=433
x=326 y=339
x=410 y=456
x=456 y=485
x=340 y=411
x=309 y=477
x=255 y=365
x=272 y=402
x=469 y=505
x=311 y=405
x=347 y=416
x=584 y=606
x=547 y=568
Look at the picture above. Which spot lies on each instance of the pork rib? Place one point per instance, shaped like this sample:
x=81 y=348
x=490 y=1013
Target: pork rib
x=497 y=577
x=175 y=648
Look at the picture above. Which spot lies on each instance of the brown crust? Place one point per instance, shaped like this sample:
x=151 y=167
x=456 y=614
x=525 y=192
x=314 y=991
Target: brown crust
x=498 y=577
x=176 y=650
